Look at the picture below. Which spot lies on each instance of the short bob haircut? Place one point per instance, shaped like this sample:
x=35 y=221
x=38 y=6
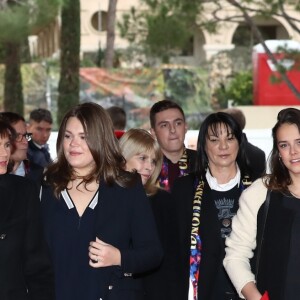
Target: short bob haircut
x=98 y=129
x=137 y=141
x=213 y=122
x=6 y=131
x=279 y=177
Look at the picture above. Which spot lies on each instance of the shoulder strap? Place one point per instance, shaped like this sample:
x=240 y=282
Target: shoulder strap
x=260 y=236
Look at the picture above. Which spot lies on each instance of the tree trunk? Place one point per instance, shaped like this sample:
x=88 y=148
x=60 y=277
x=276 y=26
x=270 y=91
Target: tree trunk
x=69 y=58
x=13 y=91
x=110 y=38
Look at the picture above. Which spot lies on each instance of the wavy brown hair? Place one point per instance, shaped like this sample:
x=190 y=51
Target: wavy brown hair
x=279 y=178
x=136 y=141
x=100 y=138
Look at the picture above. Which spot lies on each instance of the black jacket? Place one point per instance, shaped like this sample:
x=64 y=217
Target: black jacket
x=256 y=158
x=39 y=156
x=162 y=282
x=125 y=220
x=274 y=257
x=213 y=247
x=25 y=267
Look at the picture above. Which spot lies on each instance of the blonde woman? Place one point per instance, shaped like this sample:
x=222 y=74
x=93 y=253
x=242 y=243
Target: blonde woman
x=143 y=155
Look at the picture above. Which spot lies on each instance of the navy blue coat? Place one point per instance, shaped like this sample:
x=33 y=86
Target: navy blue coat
x=125 y=220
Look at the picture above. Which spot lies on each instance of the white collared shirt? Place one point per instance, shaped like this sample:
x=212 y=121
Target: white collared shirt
x=214 y=185
x=20 y=171
x=39 y=146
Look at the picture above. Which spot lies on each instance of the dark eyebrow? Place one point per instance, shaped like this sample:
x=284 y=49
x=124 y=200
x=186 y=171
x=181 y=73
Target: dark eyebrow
x=165 y=121
x=212 y=135
x=162 y=122
x=179 y=119
x=283 y=141
x=297 y=140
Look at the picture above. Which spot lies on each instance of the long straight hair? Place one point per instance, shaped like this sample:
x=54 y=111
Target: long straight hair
x=101 y=141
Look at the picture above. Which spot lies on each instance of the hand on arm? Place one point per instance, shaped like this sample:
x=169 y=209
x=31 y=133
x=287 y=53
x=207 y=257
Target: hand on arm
x=103 y=255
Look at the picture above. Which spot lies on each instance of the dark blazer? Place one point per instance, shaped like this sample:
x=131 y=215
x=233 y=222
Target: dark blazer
x=256 y=158
x=25 y=267
x=38 y=156
x=125 y=220
x=34 y=172
x=276 y=246
x=162 y=282
x=212 y=244
x=192 y=155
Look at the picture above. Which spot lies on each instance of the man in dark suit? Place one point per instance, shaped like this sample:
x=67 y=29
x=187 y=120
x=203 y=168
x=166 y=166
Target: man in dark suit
x=168 y=126
x=256 y=156
x=40 y=126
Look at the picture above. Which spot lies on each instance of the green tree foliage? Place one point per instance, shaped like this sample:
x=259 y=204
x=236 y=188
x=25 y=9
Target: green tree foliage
x=68 y=87
x=265 y=9
x=239 y=89
x=18 y=19
x=164 y=28
x=187 y=87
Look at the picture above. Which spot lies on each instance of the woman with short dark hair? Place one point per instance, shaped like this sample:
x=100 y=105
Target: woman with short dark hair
x=25 y=266
x=206 y=201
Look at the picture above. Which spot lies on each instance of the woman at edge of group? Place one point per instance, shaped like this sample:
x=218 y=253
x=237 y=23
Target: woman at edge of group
x=25 y=266
x=206 y=201
x=98 y=221
x=143 y=155
x=277 y=275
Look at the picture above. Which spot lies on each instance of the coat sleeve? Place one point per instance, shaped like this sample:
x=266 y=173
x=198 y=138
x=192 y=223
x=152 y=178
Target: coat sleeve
x=37 y=265
x=242 y=240
x=146 y=251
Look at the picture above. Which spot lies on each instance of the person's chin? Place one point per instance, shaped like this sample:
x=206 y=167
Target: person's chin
x=144 y=180
x=176 y=149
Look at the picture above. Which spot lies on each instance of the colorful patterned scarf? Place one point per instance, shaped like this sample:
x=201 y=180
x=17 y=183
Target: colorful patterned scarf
x=196 y=244
x=163 y=178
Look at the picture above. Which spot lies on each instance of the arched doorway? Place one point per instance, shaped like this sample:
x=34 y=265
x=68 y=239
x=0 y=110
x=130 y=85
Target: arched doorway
x=270 y=28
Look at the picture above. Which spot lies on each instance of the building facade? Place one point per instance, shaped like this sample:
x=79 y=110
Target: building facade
x=204 y=44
